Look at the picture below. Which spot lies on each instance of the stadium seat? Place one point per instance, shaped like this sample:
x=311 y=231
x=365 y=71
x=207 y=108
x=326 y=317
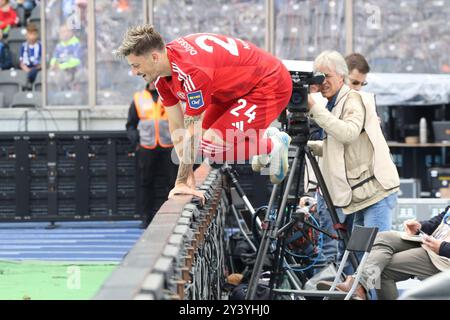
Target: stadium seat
x=105 y=68
x=37 y=84
x=27 y=100
x=35 y=17
x=20 y=11
x=109 y=97
x=16 y=37
x=11 y=82
x=66 y=98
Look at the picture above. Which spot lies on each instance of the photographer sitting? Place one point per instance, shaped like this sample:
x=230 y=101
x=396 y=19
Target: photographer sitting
x=356 y=165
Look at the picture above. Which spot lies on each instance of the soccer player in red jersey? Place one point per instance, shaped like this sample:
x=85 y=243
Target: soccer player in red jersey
x=225 y=91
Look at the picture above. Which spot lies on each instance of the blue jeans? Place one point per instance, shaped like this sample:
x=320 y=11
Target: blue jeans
x=378 y=215
x=28 y=5
x=332 y=249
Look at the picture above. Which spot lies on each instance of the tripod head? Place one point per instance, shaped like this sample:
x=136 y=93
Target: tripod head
x=294 y=119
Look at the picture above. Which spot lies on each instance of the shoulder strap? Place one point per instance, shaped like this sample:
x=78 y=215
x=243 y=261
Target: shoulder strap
x=365 y=113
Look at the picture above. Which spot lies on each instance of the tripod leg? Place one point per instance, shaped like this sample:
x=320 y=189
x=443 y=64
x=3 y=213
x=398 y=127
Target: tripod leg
x=239 y=222
x=326 y=195
x=227 y=170
x=262 y=251
x=296 y=283
x=299 y=159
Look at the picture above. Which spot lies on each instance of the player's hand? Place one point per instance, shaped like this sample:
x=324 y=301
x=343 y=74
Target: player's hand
x=184 y=189
x=191 y=180
x=432 y=243
x=411 y=226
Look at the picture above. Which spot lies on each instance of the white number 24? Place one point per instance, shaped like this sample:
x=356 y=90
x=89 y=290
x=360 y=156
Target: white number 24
x=250 y=113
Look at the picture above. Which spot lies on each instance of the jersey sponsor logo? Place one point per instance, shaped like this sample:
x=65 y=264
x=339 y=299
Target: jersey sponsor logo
x=181 y=95
x=195 y=99
x=187 y=46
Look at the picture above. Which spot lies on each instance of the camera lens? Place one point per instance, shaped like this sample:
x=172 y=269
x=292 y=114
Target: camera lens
x=296 y=98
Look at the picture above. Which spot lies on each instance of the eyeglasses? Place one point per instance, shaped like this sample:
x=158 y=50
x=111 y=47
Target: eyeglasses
x=357 y=83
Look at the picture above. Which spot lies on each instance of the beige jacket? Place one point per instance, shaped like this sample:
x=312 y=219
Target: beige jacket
x=440 y=262
x=356 y=164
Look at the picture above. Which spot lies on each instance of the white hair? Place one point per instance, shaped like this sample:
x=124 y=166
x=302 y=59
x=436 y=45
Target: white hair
x=333 y=60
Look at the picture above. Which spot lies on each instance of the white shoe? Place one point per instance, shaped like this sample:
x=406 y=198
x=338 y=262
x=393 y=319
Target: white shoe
x=262 y=160
x=279 y=163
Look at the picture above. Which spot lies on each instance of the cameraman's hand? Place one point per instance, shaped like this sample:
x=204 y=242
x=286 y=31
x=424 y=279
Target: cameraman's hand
x=311 y=102
x=314 y=88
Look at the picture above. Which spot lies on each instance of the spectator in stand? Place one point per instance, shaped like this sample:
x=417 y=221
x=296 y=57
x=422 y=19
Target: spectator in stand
x=28 y=5
x=122 y=5
x=31 y=53
x=23 y=9
x=66 y=61
x=5 y=56
x=8 y=17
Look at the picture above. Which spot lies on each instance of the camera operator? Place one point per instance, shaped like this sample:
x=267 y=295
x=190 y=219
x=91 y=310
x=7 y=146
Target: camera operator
x=356 y=164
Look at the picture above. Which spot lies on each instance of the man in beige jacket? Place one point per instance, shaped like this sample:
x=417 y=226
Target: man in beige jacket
x=394 y=259
x=356 y=163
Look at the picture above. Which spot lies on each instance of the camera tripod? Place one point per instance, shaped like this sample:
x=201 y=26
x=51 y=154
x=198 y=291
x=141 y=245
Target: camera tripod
x=258 y=224
x=288 y=197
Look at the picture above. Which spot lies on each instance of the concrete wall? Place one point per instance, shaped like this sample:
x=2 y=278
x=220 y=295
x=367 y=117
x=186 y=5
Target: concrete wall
x=111 y=118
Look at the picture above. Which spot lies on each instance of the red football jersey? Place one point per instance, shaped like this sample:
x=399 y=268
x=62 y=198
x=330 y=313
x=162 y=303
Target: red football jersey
x=213 y=69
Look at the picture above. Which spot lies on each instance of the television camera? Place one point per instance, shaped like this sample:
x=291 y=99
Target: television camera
x=302 y=75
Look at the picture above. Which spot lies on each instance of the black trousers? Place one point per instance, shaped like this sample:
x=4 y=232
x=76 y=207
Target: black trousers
x=157 y=174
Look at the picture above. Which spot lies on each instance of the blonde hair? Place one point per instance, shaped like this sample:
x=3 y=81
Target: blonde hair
x=333 y=60
x=140 y=40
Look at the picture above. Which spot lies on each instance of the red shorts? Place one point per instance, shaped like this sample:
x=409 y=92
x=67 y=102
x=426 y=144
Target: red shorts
x=256 y=110
x=241 y=123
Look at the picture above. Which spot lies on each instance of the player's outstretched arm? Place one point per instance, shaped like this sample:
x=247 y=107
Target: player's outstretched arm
x=176 y=127
x=185 y=132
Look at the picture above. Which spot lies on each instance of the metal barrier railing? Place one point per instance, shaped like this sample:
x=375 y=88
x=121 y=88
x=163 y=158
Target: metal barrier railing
x=181 y=254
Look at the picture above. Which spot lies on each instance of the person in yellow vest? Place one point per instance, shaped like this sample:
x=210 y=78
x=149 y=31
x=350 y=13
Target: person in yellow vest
x=148 y=131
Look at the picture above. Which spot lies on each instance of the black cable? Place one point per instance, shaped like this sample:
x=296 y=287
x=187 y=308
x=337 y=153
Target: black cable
x=255 y=232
